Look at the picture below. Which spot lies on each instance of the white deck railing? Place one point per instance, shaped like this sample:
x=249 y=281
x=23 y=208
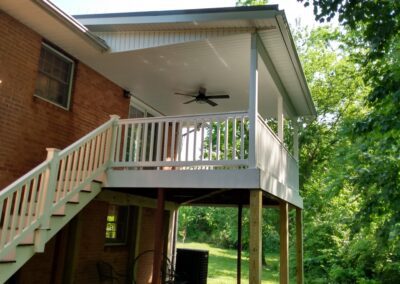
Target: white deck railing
x=28 y=203
x=180 y=142
x=183 y=141
x=273 y=157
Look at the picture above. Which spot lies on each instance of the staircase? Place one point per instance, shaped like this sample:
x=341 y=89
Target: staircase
x=40 y=203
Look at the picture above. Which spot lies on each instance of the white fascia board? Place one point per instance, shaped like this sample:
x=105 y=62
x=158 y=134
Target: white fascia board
x=176 y=17
x=291 y=47
x=72 y=24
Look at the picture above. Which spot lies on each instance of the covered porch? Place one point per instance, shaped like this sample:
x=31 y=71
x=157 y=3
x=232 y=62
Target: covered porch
x=232 y=153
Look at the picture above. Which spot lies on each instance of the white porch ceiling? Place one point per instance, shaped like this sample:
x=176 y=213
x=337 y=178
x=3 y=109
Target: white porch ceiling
x=220 y=64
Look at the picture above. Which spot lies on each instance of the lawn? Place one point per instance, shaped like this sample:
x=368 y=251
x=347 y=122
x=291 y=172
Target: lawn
x=222 y=265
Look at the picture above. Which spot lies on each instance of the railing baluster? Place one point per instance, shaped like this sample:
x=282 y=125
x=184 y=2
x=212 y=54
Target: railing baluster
x=118 y=143
x=144 y=148
x=226 y=139
x=86 y=161
x=195 y=140
x=80 y=165
x=107 y=146
x=102 y=148
x=202 y=141
x=173 y=134
x=5 y=220
x=60 y=182
x=97 y=152
x=124 y=145
x=210 y=140
x=179 y=146
x=218 y=138
x=24 y=207
x=67 y=180
x=151 y=141
x=32 y=201
x=14 y=218
x=187 y=140
x=132 y=147
x=234 y=138
x=166 y=134
x=159 y=139
x=138 y=142
x=242 y=138
x=74 y=171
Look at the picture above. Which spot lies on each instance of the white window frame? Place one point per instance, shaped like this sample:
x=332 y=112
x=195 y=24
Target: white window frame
x=145 y=108
x=52 y=49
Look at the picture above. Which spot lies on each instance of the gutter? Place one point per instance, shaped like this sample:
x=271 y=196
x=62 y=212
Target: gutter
x=72 y=24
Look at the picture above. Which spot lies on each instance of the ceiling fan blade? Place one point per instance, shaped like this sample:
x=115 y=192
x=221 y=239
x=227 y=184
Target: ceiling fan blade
x=186 y=95
x=218 y=97
x=210 y=102
x=188 y=102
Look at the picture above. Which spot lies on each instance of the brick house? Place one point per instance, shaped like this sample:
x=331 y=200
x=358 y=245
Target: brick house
x=114 y=193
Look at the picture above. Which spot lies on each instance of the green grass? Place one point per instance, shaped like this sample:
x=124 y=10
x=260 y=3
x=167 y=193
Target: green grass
x=222 y=265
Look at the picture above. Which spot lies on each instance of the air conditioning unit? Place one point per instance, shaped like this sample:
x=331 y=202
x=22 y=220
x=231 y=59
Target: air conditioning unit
x=191 y=266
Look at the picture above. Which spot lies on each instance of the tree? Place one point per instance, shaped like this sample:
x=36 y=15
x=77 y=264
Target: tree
x=370 y=156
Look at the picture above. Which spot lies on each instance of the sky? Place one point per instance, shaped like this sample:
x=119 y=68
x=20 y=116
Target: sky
x=294 y=10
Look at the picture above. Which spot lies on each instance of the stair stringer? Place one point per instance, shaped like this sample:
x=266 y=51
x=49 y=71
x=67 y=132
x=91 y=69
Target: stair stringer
x=25 y=252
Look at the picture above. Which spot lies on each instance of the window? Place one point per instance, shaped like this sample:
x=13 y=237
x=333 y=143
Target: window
x=117 y=224
x=54 y=79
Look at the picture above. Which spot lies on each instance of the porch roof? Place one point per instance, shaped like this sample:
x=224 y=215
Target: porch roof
x=211 y=50
x=182 y=50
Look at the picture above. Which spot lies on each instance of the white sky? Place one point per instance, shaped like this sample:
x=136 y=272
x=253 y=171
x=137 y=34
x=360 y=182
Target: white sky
x=292 y=8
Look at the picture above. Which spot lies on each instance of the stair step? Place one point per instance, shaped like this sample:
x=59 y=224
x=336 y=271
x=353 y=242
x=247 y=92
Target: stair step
x=10 y=257
x=26 y=249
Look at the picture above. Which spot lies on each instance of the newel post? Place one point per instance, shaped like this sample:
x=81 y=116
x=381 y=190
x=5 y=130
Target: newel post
x=47 y=197
x=253 y=101
x=114 y=129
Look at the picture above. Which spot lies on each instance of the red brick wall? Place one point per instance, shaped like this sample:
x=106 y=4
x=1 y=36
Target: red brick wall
x=28 y=124
x=92 y=249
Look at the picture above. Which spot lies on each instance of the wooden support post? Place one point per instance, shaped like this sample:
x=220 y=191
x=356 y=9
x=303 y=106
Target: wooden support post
x=255 y=237
x=284 y=243
x=158 y=237
x=239 y=243
x=299 y=247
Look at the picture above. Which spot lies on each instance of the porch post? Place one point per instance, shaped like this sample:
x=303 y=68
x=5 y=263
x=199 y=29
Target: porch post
x=255 y=237
x=253 y=100
x=281 y=138
x=284 y=243
x=239 y=243
x=295 y=140
x=299 y=247
x=158 y=237
x=281 y=118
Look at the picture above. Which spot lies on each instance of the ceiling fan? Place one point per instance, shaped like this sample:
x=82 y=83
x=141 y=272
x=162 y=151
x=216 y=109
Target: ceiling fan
x=201 y=97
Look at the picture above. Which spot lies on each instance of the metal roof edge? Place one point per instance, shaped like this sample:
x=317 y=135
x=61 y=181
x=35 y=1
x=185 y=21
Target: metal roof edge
x=181 y=12
x=72 y=24
x=306 y=91
x=179 y=16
